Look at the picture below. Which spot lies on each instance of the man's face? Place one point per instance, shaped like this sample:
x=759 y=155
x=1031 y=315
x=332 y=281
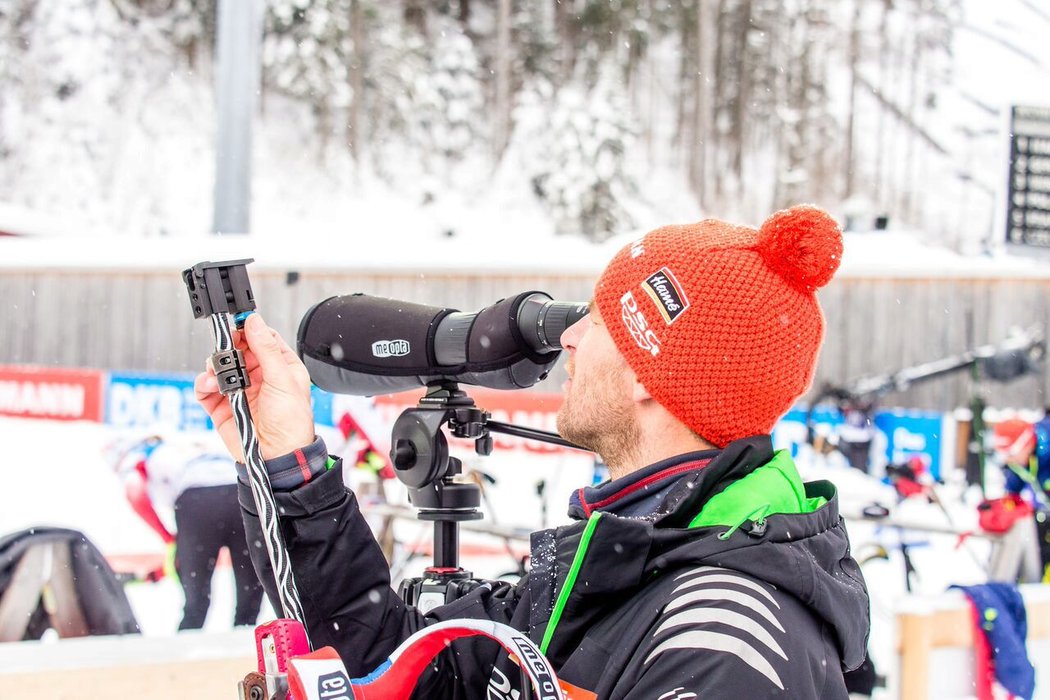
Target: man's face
x=598 y=410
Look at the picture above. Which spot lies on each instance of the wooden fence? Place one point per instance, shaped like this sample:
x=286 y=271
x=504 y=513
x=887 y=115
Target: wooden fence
x=131 y=319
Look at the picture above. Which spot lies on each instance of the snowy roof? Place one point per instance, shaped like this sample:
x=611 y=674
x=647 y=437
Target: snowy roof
x=469 y=251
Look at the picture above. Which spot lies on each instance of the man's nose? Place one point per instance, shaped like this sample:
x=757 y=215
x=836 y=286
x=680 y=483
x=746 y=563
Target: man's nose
x=571 y=335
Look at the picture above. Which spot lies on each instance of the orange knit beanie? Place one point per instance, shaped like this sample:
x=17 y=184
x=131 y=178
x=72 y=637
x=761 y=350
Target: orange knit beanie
x=721 y=322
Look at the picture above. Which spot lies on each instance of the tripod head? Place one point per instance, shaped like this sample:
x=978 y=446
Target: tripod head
x=419 y=452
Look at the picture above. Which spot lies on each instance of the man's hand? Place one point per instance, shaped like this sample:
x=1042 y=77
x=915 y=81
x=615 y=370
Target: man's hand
x=278 y=398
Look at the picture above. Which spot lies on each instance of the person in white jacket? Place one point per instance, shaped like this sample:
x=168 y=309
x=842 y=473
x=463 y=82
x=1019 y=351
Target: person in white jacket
x=196 y=487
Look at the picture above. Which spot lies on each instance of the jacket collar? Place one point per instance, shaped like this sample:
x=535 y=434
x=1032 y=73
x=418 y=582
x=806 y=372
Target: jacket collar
x=661 y=493
x=640 y=493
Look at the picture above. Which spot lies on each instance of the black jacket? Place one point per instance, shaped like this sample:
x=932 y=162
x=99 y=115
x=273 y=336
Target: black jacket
x=624 y=606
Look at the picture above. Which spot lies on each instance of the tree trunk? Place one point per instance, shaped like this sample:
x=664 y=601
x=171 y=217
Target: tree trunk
x=914 y=75
x=851 y=119
x=681 y=122
x=354 y=137
x=743 y=95
x=414 y=13
x=501 y=133
x=715 y=143
x=565 y=21
x=880 y=128
x=706 y=30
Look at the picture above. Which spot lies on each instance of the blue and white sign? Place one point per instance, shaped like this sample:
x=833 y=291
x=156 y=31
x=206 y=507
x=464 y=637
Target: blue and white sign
x=896 y=435
x=146 y=400
x=911 y=433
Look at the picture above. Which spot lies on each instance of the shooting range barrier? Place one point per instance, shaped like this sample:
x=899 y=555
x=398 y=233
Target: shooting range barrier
x=935 y=645
x=187 y=665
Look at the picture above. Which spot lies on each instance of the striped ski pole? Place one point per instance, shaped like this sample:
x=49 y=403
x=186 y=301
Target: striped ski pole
x=221 y=290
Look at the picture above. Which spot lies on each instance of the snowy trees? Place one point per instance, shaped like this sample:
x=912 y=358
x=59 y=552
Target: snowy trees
x=306 y=56
x=752 y=104
x=576 y=157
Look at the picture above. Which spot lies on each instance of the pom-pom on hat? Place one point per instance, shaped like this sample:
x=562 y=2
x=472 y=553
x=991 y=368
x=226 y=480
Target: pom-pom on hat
x=721 y=322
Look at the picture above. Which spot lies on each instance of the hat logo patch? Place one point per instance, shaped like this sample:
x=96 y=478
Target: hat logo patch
x=637 y=325
x=667 y=294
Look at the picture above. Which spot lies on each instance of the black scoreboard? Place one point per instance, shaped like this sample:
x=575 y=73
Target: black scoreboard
x=1028 y=189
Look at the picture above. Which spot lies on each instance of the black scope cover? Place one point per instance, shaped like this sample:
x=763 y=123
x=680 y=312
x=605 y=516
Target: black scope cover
x=364 y=345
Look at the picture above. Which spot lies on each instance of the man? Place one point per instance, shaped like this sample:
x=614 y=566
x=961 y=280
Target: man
x=704 y=568
x=197 y=483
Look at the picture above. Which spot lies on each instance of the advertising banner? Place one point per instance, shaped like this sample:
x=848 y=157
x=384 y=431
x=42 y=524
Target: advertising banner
x=911 y=433
x=51 y=393
x=148 y=399
x=895 y=435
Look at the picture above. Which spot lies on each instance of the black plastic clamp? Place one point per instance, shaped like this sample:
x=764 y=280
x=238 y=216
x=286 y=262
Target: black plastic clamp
x=219 y=287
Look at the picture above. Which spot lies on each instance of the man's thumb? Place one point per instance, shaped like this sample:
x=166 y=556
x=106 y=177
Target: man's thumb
x=261 y=340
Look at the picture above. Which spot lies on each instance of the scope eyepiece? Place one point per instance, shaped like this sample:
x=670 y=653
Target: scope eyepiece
x=542 y=320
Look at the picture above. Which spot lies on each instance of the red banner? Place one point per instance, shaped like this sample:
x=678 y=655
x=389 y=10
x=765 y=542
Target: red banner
x=51 y=393
x=530 y=409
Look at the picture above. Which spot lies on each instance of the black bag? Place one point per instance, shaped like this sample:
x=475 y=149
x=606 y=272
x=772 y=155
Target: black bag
x=56 y=578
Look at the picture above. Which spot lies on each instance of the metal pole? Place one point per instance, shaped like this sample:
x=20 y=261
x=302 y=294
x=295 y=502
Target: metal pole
x=238 y=41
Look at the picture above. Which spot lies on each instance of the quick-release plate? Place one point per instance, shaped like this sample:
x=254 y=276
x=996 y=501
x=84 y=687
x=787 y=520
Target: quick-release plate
x=219 y=287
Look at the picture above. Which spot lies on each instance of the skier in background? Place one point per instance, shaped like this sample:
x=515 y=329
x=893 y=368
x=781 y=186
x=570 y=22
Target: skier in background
x=199 y=486
x=1026 y=454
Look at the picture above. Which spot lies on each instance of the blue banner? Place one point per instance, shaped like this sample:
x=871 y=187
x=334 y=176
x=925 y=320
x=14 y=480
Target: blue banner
x=896 y=435
x=149 y=400
x=146 y=399
x=911 y=433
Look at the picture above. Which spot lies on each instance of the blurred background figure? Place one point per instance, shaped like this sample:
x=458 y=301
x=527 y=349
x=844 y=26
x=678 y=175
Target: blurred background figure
x=1024 y=450
x=360 y=451
x=367 y=471
x=195 y=486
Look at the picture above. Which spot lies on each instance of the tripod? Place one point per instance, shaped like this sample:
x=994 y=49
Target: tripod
x=421 y=461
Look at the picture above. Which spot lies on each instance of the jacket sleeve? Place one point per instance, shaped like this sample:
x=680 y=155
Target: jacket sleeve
x=745 y=648
x=344 y=585
x=340 y=572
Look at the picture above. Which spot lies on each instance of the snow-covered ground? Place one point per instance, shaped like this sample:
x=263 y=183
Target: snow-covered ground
x=57 y=476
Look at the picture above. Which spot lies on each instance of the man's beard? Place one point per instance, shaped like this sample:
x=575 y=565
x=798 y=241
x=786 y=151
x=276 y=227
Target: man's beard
x=611 y=430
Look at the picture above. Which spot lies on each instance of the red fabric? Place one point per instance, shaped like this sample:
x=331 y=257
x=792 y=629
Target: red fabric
x=304 y=466
x=721 y=322
x=349 y=426
x=588 y=508
x=138 y=496
x=999 y=514
x=984 y=674
x=906 y=487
